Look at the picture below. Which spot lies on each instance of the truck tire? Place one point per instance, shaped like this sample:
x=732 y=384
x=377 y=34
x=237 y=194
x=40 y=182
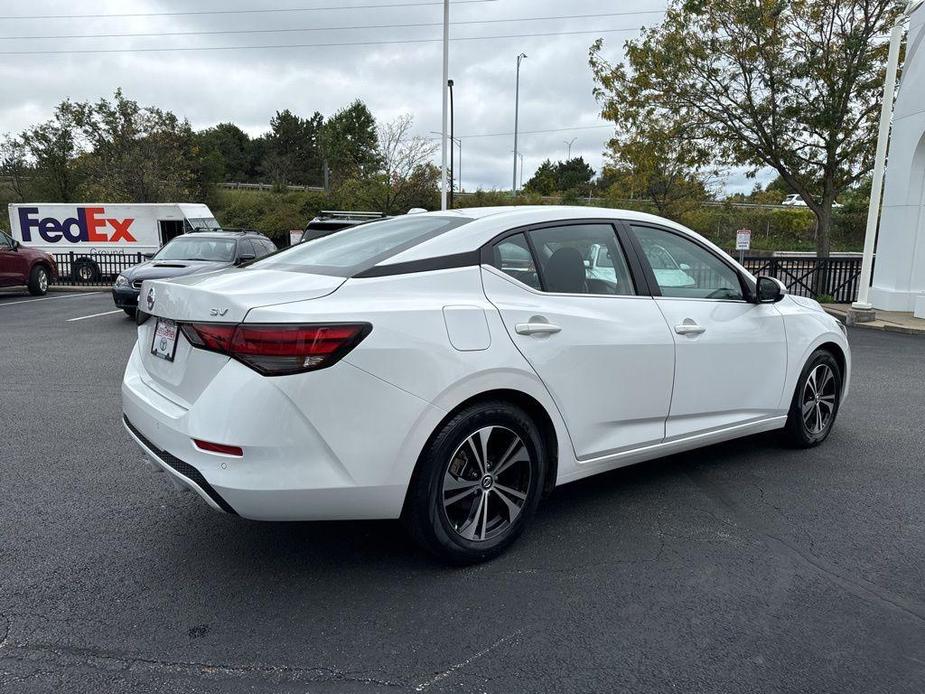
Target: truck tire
x=85 y=271
x=38 y=281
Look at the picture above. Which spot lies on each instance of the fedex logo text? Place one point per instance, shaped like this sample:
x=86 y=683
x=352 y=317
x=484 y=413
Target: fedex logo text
x=88 y=225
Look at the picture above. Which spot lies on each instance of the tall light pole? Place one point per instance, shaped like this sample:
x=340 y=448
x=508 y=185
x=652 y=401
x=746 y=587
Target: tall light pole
x=516 y=115
x=459 y=142
x=521 y=171
x=456 y=141
x=516 y=155
x=862 y=307
x=569 y=143
x=449 y=84
x=444 y=89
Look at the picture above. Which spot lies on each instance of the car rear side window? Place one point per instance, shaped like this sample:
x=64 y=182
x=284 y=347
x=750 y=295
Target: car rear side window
x=356 y=249
x=245 y=247
x=581 y=259
x=513 y=257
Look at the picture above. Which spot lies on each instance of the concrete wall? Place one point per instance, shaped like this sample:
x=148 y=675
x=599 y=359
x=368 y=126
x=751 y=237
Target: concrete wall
x=899 y=271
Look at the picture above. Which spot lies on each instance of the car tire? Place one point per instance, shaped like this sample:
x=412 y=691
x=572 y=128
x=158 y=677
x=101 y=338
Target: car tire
x=130 y=312
x=815 y=402
x=456 y=507
x=38 y=281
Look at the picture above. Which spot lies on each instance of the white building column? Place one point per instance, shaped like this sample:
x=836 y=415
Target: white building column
x=899 y=269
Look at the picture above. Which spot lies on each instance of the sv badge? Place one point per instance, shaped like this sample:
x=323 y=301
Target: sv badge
x=218 y=311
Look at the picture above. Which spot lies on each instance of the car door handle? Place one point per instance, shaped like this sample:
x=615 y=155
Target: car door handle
x=689 y=329
x=536 y=328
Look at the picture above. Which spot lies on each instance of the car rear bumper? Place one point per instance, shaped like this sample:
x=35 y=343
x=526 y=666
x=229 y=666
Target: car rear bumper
x=125 y=297
x=346 y=451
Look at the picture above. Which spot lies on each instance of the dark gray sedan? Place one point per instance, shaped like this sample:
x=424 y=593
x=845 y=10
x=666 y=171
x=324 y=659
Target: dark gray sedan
x=190 y=254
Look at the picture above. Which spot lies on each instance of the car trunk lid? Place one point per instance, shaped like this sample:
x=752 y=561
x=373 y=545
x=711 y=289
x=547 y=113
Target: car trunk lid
x=225 y=297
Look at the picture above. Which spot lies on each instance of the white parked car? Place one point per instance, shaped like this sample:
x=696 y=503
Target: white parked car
x=795 y=200
x=450 y=368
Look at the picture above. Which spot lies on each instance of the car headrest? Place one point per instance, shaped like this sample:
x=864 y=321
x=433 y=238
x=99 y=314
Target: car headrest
x=565 y=271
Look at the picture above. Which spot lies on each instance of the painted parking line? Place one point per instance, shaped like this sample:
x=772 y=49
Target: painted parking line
x=49 y=298
x=95 y=315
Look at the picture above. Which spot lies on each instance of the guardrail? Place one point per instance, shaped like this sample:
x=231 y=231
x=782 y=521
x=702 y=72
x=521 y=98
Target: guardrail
x=76 y=269
x=267 y=186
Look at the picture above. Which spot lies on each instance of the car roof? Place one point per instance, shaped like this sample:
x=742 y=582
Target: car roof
x=485 y=223
x=222 y=234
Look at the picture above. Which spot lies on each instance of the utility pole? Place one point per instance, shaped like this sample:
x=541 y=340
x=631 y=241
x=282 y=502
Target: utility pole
x=444 y=89
x=516 y=115
x=521 y=170
x=449 y=84
x=569 y=143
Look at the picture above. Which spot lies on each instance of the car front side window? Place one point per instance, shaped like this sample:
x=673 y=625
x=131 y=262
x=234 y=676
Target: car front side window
x=684 y=269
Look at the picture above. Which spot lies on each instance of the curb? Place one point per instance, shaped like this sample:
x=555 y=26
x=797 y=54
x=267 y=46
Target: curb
x=22 y=291
x=880 y=325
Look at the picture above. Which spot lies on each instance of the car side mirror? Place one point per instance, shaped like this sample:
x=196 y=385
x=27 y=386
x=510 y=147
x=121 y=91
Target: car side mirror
x=147 y=256
x=245 y=258
x=770 y=290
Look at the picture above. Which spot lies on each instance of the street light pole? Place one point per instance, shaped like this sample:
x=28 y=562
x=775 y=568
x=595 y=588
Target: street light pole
x=444 y=89
x=516 y=115
x=569 y=143
x=521 y=170
x=449 y=84
x=876 y=188
x=459 y=142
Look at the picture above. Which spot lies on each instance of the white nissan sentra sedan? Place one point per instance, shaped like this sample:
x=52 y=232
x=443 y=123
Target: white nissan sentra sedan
x=450 y=368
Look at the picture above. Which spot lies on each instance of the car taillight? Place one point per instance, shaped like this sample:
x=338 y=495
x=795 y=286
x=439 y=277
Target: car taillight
x=212 y=336
x=278 y=350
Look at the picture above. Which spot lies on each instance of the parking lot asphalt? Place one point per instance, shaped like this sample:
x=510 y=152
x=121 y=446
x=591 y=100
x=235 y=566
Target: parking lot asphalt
x=744 y=567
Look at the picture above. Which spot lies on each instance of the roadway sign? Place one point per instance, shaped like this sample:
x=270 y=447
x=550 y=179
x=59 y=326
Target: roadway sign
x=743 y=239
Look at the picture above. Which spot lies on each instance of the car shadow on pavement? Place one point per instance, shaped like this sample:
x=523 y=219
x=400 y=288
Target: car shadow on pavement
x=319 y=547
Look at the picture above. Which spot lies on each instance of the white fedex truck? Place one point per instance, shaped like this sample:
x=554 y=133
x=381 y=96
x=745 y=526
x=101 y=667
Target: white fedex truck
x=91 y=241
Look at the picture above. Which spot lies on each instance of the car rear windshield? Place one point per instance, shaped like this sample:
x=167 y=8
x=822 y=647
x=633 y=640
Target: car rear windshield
x=198 y=248
x=350 y=251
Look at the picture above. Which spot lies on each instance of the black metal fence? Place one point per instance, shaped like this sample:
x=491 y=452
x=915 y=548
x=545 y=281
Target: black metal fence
x=838 y=278
x=93 y=269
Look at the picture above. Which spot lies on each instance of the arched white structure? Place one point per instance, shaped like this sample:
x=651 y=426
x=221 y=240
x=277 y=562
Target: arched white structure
x=899 y=272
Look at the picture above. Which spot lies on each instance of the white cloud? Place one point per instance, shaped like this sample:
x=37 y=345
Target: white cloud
x=248 y=86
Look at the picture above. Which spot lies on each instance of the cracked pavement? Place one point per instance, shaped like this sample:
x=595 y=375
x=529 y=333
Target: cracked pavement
x=743 y=567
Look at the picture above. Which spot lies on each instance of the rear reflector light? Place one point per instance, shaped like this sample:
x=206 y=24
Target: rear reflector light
x=278 y=350
x=218 y=448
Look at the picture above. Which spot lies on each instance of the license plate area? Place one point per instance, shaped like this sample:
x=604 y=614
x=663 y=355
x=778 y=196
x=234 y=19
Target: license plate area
x=164 y=342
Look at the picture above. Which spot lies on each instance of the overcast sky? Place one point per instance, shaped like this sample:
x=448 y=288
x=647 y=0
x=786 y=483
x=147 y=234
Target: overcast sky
x=248 y=86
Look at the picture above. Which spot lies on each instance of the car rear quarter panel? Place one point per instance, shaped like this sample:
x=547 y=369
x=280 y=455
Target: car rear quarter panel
x=409 y=347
